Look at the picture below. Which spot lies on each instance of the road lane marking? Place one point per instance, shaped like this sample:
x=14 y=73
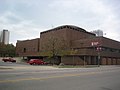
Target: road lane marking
x=49 y=77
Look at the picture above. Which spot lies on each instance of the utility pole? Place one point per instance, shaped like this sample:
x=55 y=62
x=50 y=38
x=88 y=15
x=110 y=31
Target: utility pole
x=98 y=50
x=84 y=61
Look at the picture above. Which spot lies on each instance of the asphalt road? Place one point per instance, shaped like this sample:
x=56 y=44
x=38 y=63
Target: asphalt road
x=25 y=77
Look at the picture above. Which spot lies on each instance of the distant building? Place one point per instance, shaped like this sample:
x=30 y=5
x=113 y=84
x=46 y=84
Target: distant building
x=0 y=36
x=82 y=47
x=4 y=36
x=98 y=32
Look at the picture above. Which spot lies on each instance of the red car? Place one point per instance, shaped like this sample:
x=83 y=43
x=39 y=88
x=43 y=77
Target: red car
x=36 y=62
x=8 y=60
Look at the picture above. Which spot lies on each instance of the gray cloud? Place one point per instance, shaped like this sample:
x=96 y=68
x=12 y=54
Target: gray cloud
x=26 y=18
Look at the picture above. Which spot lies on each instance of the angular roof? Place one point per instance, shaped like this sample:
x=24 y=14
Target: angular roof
x=69 y=27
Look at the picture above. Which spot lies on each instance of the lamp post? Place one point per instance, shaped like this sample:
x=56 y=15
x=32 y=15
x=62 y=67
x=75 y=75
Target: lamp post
x=98 y=50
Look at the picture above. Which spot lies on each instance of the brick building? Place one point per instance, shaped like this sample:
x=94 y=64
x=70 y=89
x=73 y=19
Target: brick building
x=83 y=47
x=28 y=47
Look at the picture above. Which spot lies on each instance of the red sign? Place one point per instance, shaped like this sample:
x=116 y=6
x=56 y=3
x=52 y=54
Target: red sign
x=94 y=43
x=99 y=48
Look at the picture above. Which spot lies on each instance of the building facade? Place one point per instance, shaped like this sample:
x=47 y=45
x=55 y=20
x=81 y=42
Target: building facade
x=4 y=36
x=82 y=47
x=28 y=47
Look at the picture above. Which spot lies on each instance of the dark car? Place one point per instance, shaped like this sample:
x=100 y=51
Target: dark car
x=36 y=62
x=8 y=60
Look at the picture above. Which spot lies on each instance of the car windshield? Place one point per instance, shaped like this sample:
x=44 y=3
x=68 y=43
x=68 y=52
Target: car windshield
x=32 y=60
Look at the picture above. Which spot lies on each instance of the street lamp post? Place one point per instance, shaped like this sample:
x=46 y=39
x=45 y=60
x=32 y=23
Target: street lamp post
x=98 y=50
x=84 y=61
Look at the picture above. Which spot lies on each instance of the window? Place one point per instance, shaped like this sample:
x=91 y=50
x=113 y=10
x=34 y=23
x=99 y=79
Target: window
x=24 y=50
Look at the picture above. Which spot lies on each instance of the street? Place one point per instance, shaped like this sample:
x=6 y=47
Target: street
x=14 y=76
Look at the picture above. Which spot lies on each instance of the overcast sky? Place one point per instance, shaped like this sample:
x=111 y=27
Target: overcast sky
x=25 y=19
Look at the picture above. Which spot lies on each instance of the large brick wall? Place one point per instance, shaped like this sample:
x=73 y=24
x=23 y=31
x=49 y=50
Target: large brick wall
x=28 y=47
x=47 y=37
x=66 y=33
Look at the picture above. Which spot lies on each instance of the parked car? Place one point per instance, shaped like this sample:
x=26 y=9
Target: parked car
x=8 y=60
x=36 y=62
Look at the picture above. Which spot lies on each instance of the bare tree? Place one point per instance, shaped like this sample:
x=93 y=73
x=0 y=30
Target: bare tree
x=54 y=46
